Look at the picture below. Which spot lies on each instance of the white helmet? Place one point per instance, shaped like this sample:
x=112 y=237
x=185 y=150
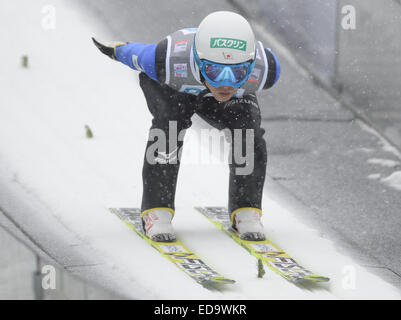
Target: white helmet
x=225 y=37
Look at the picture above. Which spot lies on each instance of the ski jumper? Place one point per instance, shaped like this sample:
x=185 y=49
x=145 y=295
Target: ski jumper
x=174 y=91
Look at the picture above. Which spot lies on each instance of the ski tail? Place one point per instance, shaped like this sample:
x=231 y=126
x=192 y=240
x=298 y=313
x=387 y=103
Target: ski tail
x=268 y=252
x=176 y=251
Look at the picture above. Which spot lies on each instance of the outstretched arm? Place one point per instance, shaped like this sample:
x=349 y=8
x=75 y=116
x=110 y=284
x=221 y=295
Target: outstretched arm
x=138 y=56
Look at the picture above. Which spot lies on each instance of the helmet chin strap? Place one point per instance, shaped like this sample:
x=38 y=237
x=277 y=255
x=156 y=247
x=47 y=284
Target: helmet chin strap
x=202 y=79
x=198 y=75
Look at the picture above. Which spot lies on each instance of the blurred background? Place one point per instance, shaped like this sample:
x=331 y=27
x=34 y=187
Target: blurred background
x=352 y=47
x=333 y=122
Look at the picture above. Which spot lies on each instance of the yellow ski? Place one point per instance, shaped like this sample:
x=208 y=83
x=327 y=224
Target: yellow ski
x=176 y=251
x=270 y=254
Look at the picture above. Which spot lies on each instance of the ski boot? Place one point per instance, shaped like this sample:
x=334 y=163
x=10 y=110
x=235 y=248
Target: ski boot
x=246 y=222
x=157 y=224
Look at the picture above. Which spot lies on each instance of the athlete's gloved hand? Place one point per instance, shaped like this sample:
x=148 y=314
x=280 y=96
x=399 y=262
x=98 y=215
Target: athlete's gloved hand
x=107 y=49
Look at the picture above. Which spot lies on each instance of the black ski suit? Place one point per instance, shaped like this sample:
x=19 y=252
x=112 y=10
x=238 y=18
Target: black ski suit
x=167 y=103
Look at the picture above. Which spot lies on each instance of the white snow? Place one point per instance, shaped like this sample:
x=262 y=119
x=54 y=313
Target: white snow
x=386 y=146
x=384 y=162
x=43 y=111
x=374 y=176
x=393 y=180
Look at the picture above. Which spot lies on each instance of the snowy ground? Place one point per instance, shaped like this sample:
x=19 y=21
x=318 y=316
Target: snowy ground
x=43 y=149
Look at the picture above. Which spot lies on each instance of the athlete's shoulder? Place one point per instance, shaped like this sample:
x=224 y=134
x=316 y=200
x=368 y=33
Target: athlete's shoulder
x=164 y=46
x=175 y=64
x=274 y=69
x=160 y=60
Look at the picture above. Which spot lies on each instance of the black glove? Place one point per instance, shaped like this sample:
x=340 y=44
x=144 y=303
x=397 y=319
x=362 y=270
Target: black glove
x=108 y=50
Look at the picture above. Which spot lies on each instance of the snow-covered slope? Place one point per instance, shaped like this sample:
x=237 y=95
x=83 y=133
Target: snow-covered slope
x=43 y=110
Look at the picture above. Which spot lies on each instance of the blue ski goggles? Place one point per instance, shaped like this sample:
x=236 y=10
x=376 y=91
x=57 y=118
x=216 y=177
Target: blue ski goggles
x=233 y=75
